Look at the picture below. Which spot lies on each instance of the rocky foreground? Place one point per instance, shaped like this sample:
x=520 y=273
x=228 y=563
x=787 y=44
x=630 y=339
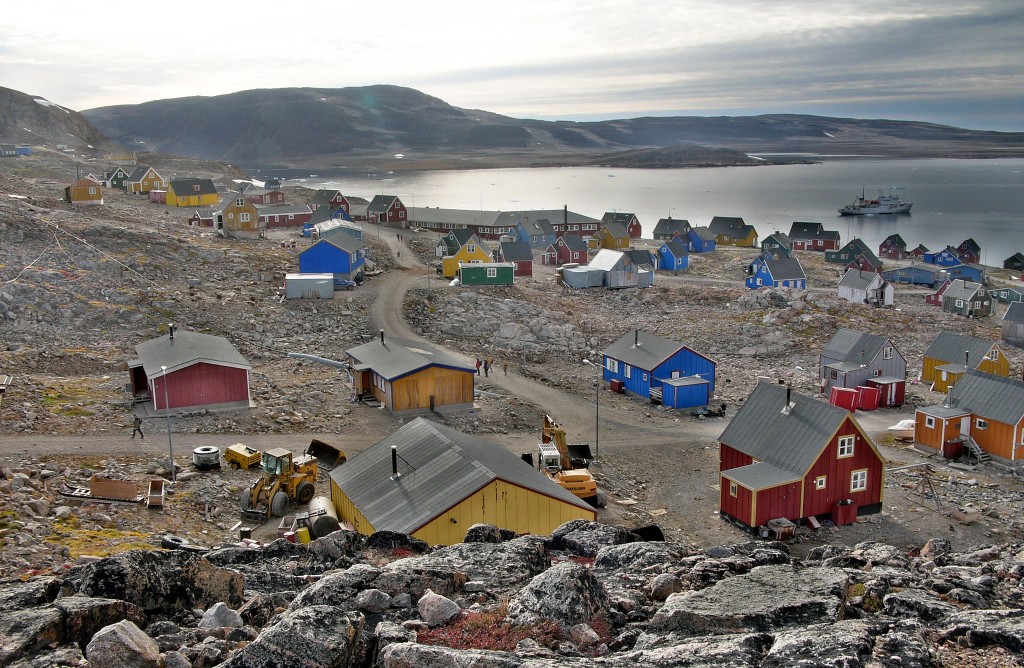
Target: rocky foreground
x=588 y=595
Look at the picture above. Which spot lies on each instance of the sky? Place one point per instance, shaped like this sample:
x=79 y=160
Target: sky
x=957 y=62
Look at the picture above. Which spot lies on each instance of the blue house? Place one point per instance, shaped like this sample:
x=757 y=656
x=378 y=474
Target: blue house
x=1007 y=294
x=702 y=240
x=341 y=255
x=538 y=233
x=947 y=257
x=673 y=256
x=775 y=271
x=917 y=274
x=647 y=366
x=968 y=272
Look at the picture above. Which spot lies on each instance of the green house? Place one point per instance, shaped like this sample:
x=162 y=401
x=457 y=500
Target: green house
x=116 y=178
x=487 y=273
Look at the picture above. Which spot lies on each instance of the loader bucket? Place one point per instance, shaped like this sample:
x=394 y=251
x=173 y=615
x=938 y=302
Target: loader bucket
x=327 y=456
x=580 y=455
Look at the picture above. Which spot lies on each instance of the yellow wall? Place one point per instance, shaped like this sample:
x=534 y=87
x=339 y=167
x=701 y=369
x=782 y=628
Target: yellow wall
x=347 y=512
x=506 y=506
x=997 y=367
x=450 y=264
x=448 y=386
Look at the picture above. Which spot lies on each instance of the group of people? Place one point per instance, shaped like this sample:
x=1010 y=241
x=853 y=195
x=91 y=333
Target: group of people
x=488 y=364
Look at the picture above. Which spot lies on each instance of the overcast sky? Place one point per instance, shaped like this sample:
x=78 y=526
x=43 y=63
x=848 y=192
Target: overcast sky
x=954 y=62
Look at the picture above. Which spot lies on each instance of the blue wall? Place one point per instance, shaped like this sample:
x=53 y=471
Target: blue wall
x=326 y=258
x=684 y=360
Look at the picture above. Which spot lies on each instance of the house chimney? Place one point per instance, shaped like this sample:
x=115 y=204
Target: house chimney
x=382 y=337
x=967 y=357
x=636 y=338
x=394 y=462
x=789 y=394
x=170 y=330
x=565 y=217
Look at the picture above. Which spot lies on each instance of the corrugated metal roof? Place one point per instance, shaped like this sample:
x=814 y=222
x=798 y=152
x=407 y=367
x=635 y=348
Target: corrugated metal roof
x=990 y=396
x=398 y=357
x=941 y=411
x=783 y=268
x=651 y=351
x=760 y=475
x=1014 y=313
x=606 y=260
x=428 y=215
x=961 y=289
x=574 y=242
x=185 y=349
x=949 y=347
x=668 y=226
x=704 y=233
x=516 y=251
x=791 y=441
x=439 y=467
x=677 y=248
x=857 y=278
x=617 y=230
x=849 y=345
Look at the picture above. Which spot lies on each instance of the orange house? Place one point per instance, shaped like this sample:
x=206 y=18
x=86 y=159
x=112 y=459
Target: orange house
x=84 y=191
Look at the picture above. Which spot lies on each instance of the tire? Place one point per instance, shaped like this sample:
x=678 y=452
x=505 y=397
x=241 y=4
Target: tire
x=305 y=492
x=235 y=466
x=245 y=499
x=279 y=504
x=350 y=288
x=170 y=542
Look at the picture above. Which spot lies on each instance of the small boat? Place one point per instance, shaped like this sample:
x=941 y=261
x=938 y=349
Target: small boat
x=883 y=204
x=903 y=430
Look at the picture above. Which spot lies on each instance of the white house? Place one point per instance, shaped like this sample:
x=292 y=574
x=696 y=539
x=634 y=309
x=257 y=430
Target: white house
x=865 y=287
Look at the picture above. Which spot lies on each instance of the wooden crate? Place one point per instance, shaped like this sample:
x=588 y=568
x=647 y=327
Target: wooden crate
x=113 y=489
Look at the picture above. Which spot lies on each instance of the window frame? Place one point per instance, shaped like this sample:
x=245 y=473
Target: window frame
x=858 y=480
x=821 y=482
x=733 y=489
x=846 y=446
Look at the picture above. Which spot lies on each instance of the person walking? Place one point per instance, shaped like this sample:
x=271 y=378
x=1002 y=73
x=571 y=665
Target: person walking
x=137 y=427
x=478 y=363
x=487 y=367
x=504 y=366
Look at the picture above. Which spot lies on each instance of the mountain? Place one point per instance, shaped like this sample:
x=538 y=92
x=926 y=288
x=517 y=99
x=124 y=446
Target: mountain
x=31 y=120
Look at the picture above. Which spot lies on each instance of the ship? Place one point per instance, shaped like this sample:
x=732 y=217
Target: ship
x=883 y=204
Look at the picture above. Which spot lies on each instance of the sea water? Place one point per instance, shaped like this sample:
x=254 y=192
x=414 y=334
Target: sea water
x=953 y=199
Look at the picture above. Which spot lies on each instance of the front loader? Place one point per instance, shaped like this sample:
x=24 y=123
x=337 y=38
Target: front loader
x=286 y=477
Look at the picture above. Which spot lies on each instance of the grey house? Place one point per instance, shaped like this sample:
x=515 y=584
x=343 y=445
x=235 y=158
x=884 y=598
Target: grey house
x=967 y=298
x=852 y=358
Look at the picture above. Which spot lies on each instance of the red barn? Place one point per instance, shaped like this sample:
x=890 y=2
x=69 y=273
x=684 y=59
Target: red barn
x=789 y=456
x=191 y=370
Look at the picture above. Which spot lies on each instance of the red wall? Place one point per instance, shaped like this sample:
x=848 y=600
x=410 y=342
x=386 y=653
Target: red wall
x=736 y=506
x=729 y=458
x=837 y=484
x=201 y=384
x=781 y=501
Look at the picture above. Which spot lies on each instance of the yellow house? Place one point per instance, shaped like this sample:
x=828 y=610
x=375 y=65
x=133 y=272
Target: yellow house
x=240 y=218
x=473 y=251
x=433 y=483
x=192 y=192
x=612 y=236
x=950 y=355
x=86 y=190
x=144 y=179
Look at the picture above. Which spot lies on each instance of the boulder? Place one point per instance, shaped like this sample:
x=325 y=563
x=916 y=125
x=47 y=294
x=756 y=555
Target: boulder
x=437 y=610
x=123 y=645
x=317 y=636
x=502 y=566
x=916 y=603
x=845 y=643
x=83 y=617
x=18 y=594
x=414 y=655
x=567 y=593
x=27 y=631
x=585 y=538
x=739 y=650
x=372 y=601
x=979 y=628
x=767 y=598
x=221 y=616
x=392 y=540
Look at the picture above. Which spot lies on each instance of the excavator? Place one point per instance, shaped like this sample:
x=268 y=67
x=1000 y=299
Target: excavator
x=567 y=464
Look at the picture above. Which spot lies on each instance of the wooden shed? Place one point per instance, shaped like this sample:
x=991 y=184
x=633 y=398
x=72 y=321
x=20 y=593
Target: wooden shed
x=487 y=273
x=948 y=348
x=433 y=483
x=84 y=191
x=409 y=377
x=201 y=371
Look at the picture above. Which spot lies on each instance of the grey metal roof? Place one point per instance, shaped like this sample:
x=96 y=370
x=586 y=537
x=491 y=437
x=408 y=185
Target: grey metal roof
x=668 y=226
x=616 y=217
x=617 y=230
x=512 y=218
x=184 y=186
x=791 y=441
x=920 y=266
x=140 y=172
x=859 y=279
x=685 y=381
x=606 y=260
x=435 y=215
x=323 y=197
x=651 y=351
x=381 y=203
x=705 y=233
x=1015 y=312
x=516 y=251
x=439 y=467
x=760 y=475
x=538 y=227
x=949 y=347
x=574 y=242
x=343 y=242
x=784 y=268
x=282 y=209
x=805 y=230
x=185 y=349
x=990 y=396
x=849 y=345
x=962 y=289
x=641 y=257
x=726 y=225
x=780 y=238
x=676 y=247
x=398 y=357
x=895 y=240
x=943 y=411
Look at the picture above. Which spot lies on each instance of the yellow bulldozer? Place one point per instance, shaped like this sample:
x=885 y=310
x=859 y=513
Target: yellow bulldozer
x=567 y=464
x=285 y=477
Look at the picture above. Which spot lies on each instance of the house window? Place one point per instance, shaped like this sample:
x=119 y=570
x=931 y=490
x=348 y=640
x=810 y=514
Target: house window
x=291 y=216
x=876 y=373
x=573 y=228
x=470 y=248
x=845 y=446
x=195 y=188
x=759 y=282
x=993 y=355
x=981 y=424
x=612 y=365
x=834 y=374
x=492 y=272
x=244 y=217
x=645 y=377
x=627 y=371
x=859 y=480
x=239 y=202
x=401 y=214
x=959 y=303
x=820 y=481
x=733 y=489
x=92 y=191
x=887 y=353
x=575 y=255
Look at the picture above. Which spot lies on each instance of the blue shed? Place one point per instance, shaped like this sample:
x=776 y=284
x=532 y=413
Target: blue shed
x=673 y=256
x=968 y=272
x=340 y=255
x=917 y=274
x=642 y=364
x=947 y=257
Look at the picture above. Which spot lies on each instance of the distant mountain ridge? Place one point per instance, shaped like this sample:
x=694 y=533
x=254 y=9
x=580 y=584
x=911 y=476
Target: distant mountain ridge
x=32 y=120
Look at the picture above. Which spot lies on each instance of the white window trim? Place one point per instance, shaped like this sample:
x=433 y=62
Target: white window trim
x=733 y=489
x=627 y=371
x=846 y=447
x=820 y=482
x=981 y=423
x=858 y=480
x=612 y=365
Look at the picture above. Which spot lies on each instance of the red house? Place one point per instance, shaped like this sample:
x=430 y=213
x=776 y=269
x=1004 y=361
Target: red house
x=893 y=248
x=935 y=299
x=189 y=370
x=330 y=199
x=627 y=220
x=518 y=253
x=789 y=456
x=568 y=248
x=387 y=210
